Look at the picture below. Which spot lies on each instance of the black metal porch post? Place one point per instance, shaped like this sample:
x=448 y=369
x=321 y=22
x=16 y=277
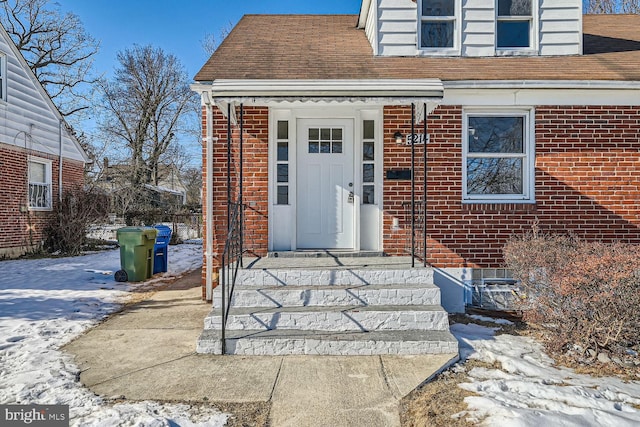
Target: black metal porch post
x=413 y=186
x=424 y=189
x=240 y=195
x=228 y=168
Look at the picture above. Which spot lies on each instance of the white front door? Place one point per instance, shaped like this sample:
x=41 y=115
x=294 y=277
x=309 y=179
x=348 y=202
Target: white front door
x=325 y=202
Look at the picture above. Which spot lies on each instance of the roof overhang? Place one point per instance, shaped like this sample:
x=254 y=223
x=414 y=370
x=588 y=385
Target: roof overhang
x=383 y=91
x=379 y=92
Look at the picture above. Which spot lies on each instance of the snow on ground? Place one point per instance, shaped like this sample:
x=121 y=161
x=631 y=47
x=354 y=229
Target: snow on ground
x=529 y=390
x=44 y=304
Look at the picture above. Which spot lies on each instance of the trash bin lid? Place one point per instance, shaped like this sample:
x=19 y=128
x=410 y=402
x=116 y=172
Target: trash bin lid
x=128 y=232
x=163 y=230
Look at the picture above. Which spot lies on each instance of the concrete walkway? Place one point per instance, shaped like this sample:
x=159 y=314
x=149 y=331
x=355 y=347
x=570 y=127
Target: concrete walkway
x=147 y=352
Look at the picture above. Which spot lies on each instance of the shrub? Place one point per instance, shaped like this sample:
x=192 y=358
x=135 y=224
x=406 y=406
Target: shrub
x=66 y=232
x=583 y=293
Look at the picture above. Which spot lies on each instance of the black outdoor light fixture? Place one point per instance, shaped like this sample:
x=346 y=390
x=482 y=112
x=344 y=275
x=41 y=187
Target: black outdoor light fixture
x=398 y=137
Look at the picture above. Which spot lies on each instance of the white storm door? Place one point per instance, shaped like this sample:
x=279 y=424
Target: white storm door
x=324 y=196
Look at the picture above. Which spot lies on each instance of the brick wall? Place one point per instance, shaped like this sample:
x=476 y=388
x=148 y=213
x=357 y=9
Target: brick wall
x=20 y=229
x=256 y=176
x=587 y=183
x=587 y=163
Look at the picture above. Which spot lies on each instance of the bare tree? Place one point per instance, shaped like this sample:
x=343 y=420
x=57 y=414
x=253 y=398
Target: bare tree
x=611 y=6
x=210 y=42
x=192 y=180
x=147 y=106
x=57 y=48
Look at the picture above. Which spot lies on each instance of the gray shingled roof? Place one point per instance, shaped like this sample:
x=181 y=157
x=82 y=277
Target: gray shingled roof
x=331 y=47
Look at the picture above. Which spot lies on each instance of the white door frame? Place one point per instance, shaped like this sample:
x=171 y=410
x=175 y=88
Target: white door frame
x=283 y=231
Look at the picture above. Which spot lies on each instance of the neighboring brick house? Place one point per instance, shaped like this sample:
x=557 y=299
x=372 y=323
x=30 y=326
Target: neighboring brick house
x=533 y=117
x=34 y=143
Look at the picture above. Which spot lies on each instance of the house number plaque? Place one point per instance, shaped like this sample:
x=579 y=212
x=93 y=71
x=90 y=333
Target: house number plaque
x=417 y=139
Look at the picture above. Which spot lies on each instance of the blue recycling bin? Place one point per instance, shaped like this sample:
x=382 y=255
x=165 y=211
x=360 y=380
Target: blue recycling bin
x=161 y=249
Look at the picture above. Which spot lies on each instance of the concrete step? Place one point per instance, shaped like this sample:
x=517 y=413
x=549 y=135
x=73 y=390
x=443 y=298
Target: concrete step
x=290 y=342
x=334 y=318
x=361 y=295
x=330 y=277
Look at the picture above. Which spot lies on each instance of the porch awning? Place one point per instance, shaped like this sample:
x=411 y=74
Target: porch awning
x=360 y=92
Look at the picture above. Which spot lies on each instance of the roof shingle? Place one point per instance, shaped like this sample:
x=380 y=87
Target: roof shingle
x=331 y=47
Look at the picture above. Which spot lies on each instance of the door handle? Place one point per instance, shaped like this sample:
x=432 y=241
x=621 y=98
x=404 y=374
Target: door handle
x=350 y=200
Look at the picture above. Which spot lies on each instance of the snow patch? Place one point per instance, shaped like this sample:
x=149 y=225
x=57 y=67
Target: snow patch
x=46 y=303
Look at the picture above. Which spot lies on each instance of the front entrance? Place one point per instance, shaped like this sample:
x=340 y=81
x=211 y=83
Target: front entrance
x=325 y=184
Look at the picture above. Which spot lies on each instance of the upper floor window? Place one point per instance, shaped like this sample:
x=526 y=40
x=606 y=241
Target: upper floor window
x=438 y=24
x=514 y=24
x=499 y=157
x=39 y=184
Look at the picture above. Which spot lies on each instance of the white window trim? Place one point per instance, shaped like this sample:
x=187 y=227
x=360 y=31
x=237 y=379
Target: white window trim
x=532 y=49
x=529 y=172
x=457 y=29
x=49 y=182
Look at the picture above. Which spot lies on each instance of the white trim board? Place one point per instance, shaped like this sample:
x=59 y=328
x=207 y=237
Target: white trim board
x=528 y=93
x=384 y=91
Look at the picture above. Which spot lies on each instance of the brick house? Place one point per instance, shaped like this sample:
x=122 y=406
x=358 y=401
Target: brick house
x=532 y=117
x=38 y=156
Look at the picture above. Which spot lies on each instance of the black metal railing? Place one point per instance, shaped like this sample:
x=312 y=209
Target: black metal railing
x=231 y=263
x=416 y=244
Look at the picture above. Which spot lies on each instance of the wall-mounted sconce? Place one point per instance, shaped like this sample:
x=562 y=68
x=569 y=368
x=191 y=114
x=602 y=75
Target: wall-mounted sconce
x=398 y=137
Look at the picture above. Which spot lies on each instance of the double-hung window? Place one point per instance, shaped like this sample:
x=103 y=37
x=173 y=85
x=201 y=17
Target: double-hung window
x=514 y=24
x=39 y=184
x=438 y=24
x=498 y=157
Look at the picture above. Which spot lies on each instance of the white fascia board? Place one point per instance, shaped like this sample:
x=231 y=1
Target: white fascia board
x=530 y=93
x=541 y=84
x=387 y=91
x=364 y=12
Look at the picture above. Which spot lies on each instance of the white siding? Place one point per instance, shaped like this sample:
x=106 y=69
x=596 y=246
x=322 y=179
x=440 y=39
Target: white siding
x=557 y=28
x=478 y=28
x=560 y=27
x=27 y=109
x=397 y=28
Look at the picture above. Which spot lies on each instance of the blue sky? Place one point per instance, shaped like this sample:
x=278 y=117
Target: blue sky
x=178 y=27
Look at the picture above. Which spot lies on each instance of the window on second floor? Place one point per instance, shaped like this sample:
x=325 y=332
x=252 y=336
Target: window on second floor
x=438 y=24
x=514 y=23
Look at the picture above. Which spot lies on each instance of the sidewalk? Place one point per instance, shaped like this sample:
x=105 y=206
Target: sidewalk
x=147 y=352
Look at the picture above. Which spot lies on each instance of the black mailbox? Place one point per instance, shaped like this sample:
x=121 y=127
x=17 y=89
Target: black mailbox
x=399 y=174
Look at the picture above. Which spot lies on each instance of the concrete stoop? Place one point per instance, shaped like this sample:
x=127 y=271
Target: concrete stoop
x=331 y=312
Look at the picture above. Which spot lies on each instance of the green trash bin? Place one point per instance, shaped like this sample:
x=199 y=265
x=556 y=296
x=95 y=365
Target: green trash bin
x=136 y=253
